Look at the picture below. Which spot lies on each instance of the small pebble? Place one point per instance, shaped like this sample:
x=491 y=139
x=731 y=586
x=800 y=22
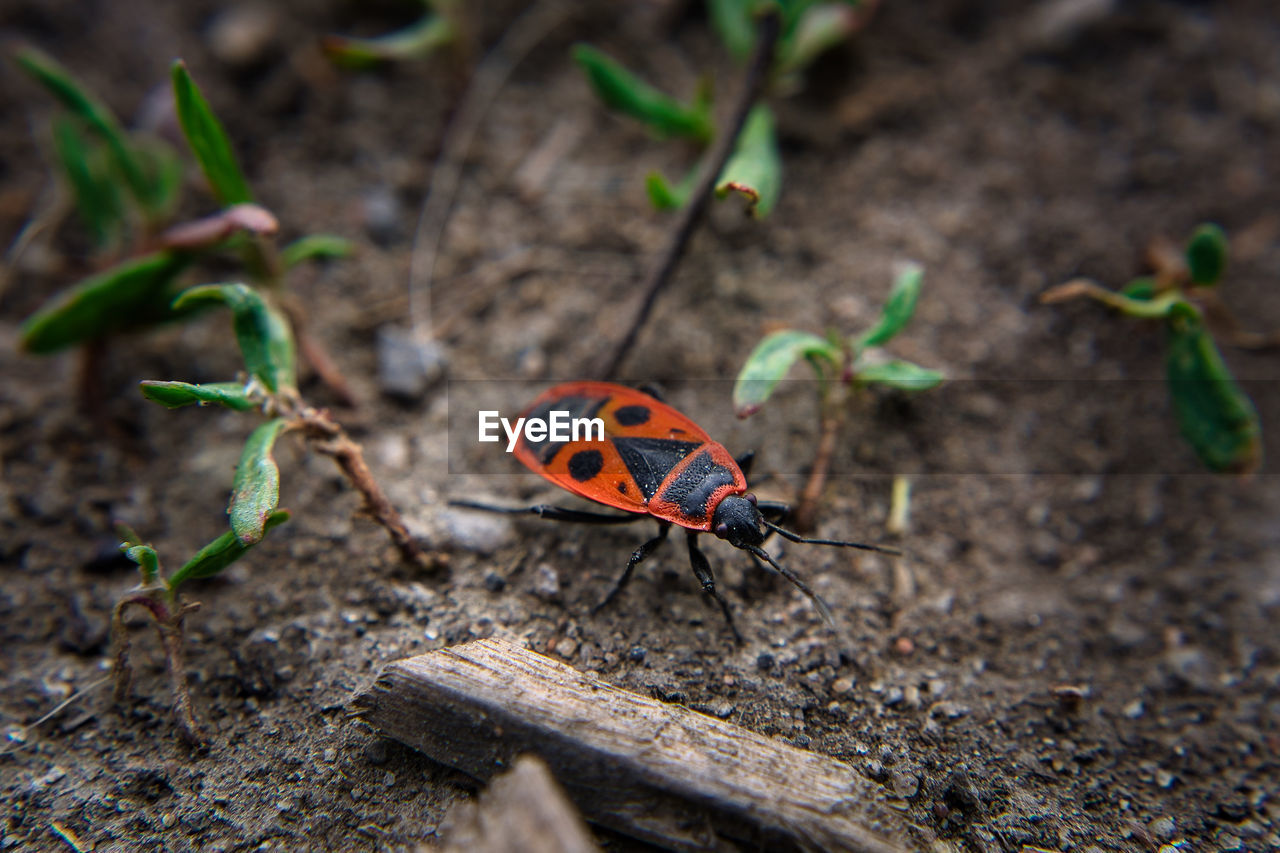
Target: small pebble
x=494 y=582
x=242 y=35
x=892 y=696
x=1164 y=778
x=905 y=785
x=167 y=820
x=546 y=583
x=764 y=660
x=388 y=779
x=842 y=686
x=472 y=530
x=1163 y=828
x=1134 y=709
x=407 y=366
x=637 y=654
x=375 y=752
x=330 y=755
x=904 y=646
x=566 y=647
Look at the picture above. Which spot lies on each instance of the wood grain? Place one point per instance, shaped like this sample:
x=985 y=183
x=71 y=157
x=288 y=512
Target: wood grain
x=661 y=773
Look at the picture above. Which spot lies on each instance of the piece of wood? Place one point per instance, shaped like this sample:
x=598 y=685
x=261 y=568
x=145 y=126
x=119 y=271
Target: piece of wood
x=522 y=811
x=661 y=773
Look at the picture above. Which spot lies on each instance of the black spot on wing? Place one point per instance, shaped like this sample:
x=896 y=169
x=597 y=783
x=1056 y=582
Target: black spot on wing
x=632 y=415
x=577 y=407
x=691 y=491
x=622 y=488
x=585 y=464
x=650 y=460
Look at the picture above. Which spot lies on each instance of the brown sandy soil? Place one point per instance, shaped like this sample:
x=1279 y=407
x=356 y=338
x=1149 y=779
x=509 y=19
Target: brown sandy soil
x=1061 y=534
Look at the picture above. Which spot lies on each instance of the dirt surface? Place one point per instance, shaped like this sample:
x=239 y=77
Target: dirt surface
x=1060 y=533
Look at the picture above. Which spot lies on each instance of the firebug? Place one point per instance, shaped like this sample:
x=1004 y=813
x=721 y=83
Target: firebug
x=655 y=462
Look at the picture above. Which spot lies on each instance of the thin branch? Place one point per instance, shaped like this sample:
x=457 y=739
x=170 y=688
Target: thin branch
x=807 y=506
x=712 y=165
x=329 y=438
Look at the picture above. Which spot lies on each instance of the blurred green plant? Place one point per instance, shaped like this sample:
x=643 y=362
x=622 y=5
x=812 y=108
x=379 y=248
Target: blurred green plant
x=269 y=385
x=841 y=364
x=439 y=26
x=754 y=170
x=1214 y=414
x=127 y=185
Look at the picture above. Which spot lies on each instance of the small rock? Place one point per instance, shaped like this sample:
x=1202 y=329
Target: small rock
x=892 y=696
x=764 y=660
x=1164 y=778
x=546 y=583
x=1163 y=828
x=841 y=686
x=243 y=35
x=904 y=646
x=383 y=215
x=1134 y=709
x=494 y=582
x=876 y=772
x=375 y=752
x=330 y=755
x=904 y=784
x=480 y=532
x=637 y=654
x=407 y=365
x=566 y=647
x=388 y=779
x=167 y=820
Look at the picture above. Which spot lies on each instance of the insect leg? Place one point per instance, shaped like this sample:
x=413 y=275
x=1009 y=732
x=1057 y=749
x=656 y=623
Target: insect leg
x=554 y=513
x=702 y=569
x=637 y=557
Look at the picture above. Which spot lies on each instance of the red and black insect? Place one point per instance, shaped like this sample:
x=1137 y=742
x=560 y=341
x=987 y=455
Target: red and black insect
x=655 y=462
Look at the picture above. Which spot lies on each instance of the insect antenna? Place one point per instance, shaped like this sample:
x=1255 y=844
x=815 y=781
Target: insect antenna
x=799 y=584
x=796 y=537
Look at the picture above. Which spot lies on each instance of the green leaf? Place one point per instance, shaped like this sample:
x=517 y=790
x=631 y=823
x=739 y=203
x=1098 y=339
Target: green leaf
x=627 y=93
x=220 y=553
x=416 y=41
x=817 y=29
x=1216 y=417
x=265 y=339
x=755 y=169
x=93 y=112
x=1141 y=289
x=1207 y=255
x=164 y=173
x=94 y=190
x=255 y=492
x=667 y=196
x=770 y=361
x=897 y=309
x=315 y=247
x=175 y=395
x=733 y=22
x=208 y=140
x=146 y=558
x=134 y=293
x=899 y=374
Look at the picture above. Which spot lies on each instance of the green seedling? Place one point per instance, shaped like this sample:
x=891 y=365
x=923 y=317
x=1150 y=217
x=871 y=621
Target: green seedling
x=438 y=27
x=124 y=184
x=754 y=168
x=841 y=365
x=107 y=167
x=266 y=343
x=1213 y=413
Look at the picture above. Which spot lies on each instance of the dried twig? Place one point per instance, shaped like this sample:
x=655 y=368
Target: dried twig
x=328 y=437
x=712 y=165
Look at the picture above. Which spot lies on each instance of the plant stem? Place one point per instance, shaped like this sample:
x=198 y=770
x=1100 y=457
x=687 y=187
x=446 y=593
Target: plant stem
x=712 y=165
x=168 y=625
x=832 y=418
x=328 y=437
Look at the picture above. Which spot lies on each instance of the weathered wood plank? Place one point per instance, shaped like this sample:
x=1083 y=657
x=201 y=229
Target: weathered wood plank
x=661 y=773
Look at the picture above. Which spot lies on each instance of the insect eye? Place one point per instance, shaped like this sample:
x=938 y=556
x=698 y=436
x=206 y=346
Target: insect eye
x=752 y=499
x=722 y=530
